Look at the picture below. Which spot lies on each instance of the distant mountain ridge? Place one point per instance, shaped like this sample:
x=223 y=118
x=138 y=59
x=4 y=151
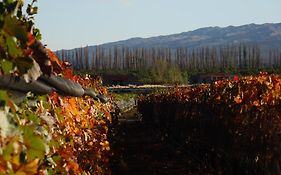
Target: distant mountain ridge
x=265 y=35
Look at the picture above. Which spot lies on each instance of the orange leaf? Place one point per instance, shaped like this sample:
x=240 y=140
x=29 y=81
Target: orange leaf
x=54 y=61
x=256 y=103
x=68 y=73
x=29 y=168
x=31 y=39
x=238 y=99
x=72 y=106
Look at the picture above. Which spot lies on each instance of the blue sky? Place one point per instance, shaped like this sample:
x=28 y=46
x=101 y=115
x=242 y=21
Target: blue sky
x=67 y=24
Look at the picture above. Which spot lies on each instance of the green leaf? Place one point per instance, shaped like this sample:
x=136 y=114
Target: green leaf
x=11 y=6
x=36 y=145
x=56 y=158
x=3 y=98
x=24 y=64
x=16 y=28
x=32 y=117
x=54 y=143
x=8 y=150
x=34 y=153
x=37 y=34
x=59 y=115
x=28 y=131
x=1 y=22
x=45 y=101
x=12 y=48
x=6 y=66
x=50 y=171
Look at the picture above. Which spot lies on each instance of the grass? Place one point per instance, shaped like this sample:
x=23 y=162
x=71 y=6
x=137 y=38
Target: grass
x=124 y=96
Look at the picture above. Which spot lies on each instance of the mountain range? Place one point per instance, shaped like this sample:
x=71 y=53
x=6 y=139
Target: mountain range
x=265 y=35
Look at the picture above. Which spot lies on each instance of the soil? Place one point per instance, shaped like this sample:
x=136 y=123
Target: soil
x=138 y=150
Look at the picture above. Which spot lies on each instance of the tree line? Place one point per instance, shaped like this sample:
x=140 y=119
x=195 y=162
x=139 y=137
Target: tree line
x=206 y=59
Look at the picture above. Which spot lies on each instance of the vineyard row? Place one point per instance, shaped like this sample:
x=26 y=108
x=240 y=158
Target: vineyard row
x=232 y=126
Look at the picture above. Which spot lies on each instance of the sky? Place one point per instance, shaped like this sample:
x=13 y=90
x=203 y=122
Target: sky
x=67 y=24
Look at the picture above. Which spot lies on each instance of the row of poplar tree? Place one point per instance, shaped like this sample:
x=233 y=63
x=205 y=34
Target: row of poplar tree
x=236 y=58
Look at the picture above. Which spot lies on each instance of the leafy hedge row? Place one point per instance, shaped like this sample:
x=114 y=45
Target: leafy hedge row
x=234 y=125
x=50 y=134
x=55 y=134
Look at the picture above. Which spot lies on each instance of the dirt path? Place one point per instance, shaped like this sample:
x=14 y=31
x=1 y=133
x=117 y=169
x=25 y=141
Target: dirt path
x=139 y=151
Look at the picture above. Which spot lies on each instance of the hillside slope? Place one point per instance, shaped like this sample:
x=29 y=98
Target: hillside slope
x=265 y=35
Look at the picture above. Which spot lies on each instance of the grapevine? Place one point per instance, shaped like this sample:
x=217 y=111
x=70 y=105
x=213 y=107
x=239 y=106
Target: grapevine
x=237 y=119
x=53 y=133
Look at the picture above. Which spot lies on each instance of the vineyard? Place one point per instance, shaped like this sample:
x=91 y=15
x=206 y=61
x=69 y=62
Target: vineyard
x=229 y=127
x=55 y=122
